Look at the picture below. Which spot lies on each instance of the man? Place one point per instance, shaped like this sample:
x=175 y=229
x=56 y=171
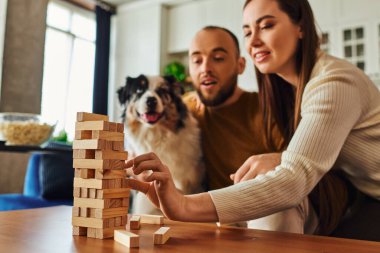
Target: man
x=230 y=120
x=232 y=124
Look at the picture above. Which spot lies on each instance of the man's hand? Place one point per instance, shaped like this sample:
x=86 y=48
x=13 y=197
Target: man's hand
x=256 y=165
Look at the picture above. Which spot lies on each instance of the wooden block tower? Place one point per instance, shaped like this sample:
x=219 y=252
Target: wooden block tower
x=101 y=195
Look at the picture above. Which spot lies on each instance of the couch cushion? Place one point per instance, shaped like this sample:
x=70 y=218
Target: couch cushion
x=56 y=175
x=14 y=201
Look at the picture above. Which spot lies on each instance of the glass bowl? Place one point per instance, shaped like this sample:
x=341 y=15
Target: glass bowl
x=24 y=129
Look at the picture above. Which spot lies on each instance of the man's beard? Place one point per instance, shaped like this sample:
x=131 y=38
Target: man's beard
x=224 y=93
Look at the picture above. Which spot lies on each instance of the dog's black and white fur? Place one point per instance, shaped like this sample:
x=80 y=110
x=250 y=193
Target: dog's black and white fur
x=158 y=121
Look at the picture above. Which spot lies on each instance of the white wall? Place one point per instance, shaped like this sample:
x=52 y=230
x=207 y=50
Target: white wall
x=136 y=47
x=3 y=13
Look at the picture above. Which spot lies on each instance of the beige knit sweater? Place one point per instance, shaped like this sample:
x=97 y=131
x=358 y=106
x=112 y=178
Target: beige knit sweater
x=340 y=128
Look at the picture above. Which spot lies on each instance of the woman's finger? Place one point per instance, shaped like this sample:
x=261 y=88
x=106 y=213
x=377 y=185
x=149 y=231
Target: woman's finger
x=153 y=165
x=242 y=171
x=249 y=175
x=138 y=185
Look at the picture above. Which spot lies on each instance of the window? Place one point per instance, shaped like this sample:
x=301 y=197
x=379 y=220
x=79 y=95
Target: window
x=354 y=48
x=325 y=43
x=68 y=66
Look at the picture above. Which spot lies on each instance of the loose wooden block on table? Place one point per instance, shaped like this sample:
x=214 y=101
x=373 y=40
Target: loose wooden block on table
x=134 y=222
x=161 y=235
x=86 y=116
x=151 y=219
x=126 y=238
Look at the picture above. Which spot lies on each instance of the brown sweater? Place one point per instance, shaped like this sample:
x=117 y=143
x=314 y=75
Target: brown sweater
x=230 y=135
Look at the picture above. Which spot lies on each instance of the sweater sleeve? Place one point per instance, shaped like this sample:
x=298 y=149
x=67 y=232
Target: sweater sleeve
x=330 y=108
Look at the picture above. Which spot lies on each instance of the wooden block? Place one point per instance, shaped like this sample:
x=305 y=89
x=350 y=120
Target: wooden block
x=161 y=235
x=88 y=222
x=83 y=192
x=79 y=230
x=134 y=222
x=110 y=174
x=120 y=127
x=91 y=222
x=92 y=193
x=125 y=202
x=84 y=173
x=89 y=183
x=112 y=127
x=92 y=125
x=76 y=192
x=108 y=213
x=118 y=145
x=98 y=203
x=91 y=232
x=76 y=211
x=83 y=135
x=126 y=238
x=101 y=233
x=99 y=164
x=86 y=116
x=111 y=155
x=124 y=220
x=113 y=193
x=84 y=212
x=107 y=135
x=91 y=203
x=84 y=154
x=118 y=221
x=90 y=144
x=152 y=219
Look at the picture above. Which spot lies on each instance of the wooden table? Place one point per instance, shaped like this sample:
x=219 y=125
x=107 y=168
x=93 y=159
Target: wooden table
x=49 y=230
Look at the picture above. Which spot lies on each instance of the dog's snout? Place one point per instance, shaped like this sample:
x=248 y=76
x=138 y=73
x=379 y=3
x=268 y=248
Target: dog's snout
x=151 y=102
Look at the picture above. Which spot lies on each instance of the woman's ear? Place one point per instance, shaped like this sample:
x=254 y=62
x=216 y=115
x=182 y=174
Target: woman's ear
x=241 y=65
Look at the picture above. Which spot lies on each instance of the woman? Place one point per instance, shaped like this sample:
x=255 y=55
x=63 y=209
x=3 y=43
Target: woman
x=328 y=110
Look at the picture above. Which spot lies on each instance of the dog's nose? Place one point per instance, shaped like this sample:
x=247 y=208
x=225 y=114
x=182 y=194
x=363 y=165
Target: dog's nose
x=151 y=102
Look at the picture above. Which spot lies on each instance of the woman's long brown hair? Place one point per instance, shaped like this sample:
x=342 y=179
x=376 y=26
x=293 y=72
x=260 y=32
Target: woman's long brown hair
x=281 y=102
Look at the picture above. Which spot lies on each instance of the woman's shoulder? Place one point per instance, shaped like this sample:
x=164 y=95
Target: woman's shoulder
x=331 y=72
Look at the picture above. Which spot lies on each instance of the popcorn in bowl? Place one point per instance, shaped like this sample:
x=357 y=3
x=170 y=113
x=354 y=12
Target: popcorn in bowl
x=24 y=129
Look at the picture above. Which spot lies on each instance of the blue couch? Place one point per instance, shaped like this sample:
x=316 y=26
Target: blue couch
x=48 y=182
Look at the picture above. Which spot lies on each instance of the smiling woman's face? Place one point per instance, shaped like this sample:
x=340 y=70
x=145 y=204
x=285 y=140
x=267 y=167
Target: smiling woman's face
x=271 y=38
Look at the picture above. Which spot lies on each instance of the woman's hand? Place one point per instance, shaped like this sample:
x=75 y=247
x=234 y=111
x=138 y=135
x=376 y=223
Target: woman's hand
x=256 y=165
x=158 y=186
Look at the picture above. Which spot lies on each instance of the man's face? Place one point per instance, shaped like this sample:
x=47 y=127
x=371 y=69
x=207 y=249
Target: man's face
x=214 y=66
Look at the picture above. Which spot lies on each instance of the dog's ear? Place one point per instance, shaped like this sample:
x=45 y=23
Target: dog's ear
x=122 y=92
x=122 y=95
x=174 y=85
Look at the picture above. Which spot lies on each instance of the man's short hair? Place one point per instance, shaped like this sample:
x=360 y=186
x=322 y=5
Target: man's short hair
x=233 y=36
